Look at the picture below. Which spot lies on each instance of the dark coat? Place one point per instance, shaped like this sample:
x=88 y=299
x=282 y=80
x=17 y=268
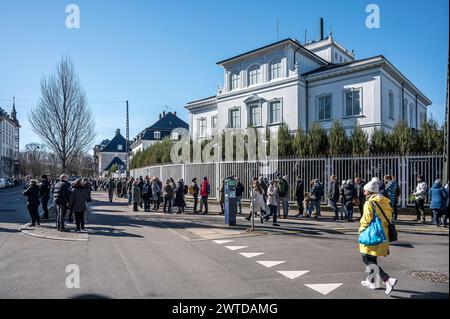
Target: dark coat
x=348 y=192
x=333 y=191
x=61 y=193
x=360 y=193
x=77 y=199
x=44 y=189
x=300 y=191
x=32 y=194
x=179 y=198
x=239 y=189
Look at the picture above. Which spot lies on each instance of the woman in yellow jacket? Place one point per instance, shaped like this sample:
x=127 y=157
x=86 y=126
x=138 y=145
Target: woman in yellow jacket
x=375 y=201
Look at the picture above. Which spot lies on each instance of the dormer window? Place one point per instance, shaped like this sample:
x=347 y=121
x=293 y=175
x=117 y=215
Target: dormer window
x=253 y=75
x=157 y=135
x=275 y=69
x=120 y=147
x=235 y=78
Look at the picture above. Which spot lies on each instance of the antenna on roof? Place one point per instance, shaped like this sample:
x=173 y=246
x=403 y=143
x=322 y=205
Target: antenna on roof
x=278 y=28
x=306 y=32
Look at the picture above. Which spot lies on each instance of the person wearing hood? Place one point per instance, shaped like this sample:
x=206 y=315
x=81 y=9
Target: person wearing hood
x=77 y=203
x=348 y=193
x=378 y=205
x=420 y=194
x=32 y=195
x=438 y=198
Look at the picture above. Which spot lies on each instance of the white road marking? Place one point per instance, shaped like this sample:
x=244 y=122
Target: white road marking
x=293 y=274
x=324 y=289
x=236 y=247
x=270 y=263
x=251 y=255
x=220 y=242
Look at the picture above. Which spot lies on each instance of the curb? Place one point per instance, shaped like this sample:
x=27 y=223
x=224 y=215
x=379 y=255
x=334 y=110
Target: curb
x=31 y=233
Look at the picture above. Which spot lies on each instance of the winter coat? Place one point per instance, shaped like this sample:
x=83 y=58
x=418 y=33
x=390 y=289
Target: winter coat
x=391 y=188
x=257 y=202
x=44 y=189
x=438 y=197
x=239 y=189
x=196 y=189
x=77 y=199
x=61 y=193
x=222 y=192
x=421 y=190
x=333 y=191
x=360 y=193
x=285 y=192
x=32 y=194
x=300 y=191
x=167 y=191
x=155 y=190
x=317 y=191
x=348 y=192
x=205 y=189
x=111 y=186
x=179 y=197
x=136 y=194
x=368 y=214
x=147 y=190
x=272 y=196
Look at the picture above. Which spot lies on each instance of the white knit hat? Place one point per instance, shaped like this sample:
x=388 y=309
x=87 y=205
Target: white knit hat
x=372 y=186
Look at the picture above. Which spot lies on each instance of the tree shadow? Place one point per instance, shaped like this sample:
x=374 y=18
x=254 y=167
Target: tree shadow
x=419 y=294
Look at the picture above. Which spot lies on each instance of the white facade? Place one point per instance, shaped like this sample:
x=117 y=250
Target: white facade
x=288 y=83
x=9 y=144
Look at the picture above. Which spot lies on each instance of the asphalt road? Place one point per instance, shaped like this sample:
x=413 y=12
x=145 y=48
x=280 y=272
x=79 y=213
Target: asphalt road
x=141 y=255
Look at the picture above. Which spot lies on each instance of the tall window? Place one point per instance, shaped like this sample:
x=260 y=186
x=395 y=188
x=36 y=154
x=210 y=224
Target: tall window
x=235 y=79
x=254 y=112
x=253 y=75
x=202 y=127
x=391 y=105
x=405 y=111
x=214 y=122
x=235 y=118
x=275 y=69
x=324 y=107
x=157 y=135
x=353 y=102
x=275 y=112
x=411 y=116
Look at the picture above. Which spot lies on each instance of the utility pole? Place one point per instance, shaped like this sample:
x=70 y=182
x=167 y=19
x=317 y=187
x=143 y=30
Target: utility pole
x=126 y=143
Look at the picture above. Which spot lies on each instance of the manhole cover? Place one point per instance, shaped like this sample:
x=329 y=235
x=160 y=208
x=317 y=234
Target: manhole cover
x=429 y=276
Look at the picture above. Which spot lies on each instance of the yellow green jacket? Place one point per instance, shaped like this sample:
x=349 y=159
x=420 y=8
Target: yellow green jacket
x=381 y=249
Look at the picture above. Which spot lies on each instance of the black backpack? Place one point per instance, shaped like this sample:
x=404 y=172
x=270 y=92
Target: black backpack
x=146 y=189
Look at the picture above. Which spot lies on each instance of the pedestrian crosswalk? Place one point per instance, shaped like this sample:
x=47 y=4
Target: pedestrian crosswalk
x=322 y=288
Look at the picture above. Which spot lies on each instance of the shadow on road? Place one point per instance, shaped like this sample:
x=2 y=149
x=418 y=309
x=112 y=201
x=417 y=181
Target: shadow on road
x=419 y=295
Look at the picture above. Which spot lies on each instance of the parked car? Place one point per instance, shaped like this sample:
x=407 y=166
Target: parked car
x=10 y=183
x=3 y=183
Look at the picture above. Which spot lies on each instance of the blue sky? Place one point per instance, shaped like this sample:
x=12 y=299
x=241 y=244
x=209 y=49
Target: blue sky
x=156 y=53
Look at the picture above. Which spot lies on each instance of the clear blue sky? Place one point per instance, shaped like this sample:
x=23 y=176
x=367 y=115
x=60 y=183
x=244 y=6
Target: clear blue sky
x=156 y=53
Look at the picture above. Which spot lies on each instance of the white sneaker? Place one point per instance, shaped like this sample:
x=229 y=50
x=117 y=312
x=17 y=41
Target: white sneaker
x=390 y=284
x=369 y=285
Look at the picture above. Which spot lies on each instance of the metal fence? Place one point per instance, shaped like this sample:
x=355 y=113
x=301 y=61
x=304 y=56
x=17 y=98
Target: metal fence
x=405 y=169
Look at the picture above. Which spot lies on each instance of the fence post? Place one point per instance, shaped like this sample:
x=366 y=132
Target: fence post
x=404 y=181
x=218 y=175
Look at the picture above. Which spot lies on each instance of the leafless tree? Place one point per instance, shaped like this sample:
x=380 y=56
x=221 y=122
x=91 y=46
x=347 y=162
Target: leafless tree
x=62 y=117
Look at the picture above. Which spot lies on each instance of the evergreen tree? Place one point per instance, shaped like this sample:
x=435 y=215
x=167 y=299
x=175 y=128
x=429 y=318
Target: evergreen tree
x=402 y=138
x=284 y=141
x=300 y=144
x=337 y=140
x=430 y=138
x=318 y=141
x=380 y=142
x=359 y=142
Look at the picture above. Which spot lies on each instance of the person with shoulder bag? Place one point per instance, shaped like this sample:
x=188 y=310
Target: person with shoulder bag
x=375 y=234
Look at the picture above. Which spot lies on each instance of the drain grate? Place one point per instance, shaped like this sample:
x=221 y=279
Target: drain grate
x=430 y=276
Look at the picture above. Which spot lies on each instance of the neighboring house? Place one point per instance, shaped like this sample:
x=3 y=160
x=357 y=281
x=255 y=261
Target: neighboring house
x=157 y=132
x=111 y=152
x=299 y=85
x=9 y=143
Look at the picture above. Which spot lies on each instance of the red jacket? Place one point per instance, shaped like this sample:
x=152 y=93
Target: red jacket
x=205 y=189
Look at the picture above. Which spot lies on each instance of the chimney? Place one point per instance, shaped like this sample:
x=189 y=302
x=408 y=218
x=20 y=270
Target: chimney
x=118 y=131
x=164 y=113
x=175 y=113
x=160 y=116
x=321 y=28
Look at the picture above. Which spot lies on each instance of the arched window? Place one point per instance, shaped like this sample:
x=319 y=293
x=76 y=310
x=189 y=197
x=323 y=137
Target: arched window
x=405 y=111
x=235 y=79
x=253 y=75
x=411 y=116
x=275 y=69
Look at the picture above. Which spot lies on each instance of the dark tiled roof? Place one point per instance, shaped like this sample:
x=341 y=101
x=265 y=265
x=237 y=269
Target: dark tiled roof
x=114 y=143
x=116 y=161
x=165 y=125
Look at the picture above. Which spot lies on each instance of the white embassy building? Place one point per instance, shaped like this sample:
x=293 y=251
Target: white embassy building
x=299 y=85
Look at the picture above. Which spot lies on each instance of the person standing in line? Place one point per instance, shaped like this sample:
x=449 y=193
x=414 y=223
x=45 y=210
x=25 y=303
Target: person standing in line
x=119 y=188
x=32 y=195
x=379 y=205
x=316 y=197
x=359 y=184
x=420 y=195
x=167 y=195
x=155 y=194
x=111 y=186
x=333 y=195
x=348 y=193
x=257 y=200
x=44 y=194
x=194 y=191
x=77 y=203
x=205 y=190
x=147 y=194
x=283 y=193
x=136 y=195
x=264 y=185
x=179 y=197
x=222 y=196
x=446 y=206
x=130 y=190
x=61 y=193
x=300 y=195
x=239 y=192
x=438 y=198
x=272 y=203
x=391 y=188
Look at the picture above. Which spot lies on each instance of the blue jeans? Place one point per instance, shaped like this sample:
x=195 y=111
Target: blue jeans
x=334 y=207
x=273 y=212
x=349 y=212
x=315 y=204
x=239 y=204
x=285 y=204
x=129 y=198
